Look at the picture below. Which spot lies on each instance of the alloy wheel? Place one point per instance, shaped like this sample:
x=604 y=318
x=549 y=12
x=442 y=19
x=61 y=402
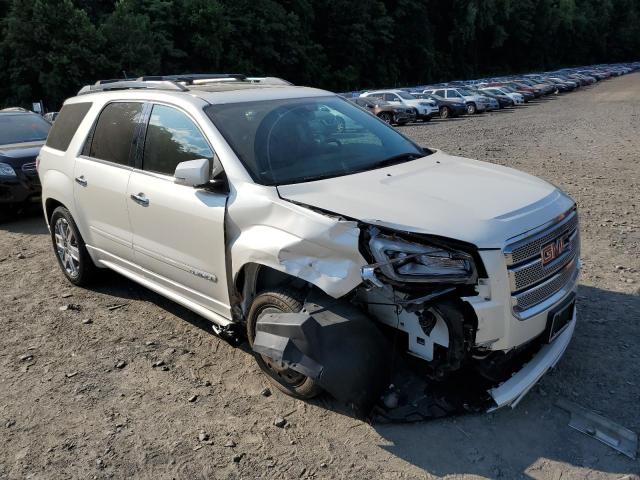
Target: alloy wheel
x=67 y=247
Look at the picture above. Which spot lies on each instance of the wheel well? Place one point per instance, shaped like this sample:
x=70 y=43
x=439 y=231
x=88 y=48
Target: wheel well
x=50 y=205
x=254 y=278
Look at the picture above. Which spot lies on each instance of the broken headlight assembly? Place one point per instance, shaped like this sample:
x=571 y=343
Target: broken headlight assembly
x=404 y=261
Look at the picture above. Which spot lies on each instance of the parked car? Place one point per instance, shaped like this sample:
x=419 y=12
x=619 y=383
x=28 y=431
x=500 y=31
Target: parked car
x=385 y=111
x=229 y=199
x=498 y=101
x=447 y=107
x=516 y=98
x=521 y=88
x=425 y=109
x=475 y=103
x=22 y=134
x=544 y=87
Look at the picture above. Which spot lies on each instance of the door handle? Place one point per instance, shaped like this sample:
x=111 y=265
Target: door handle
x=140 y=199
x=81 y=181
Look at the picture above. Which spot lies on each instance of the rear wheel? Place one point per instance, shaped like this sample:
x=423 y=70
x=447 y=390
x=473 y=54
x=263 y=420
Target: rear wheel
x=471 y=108
x=445 y=112
x=70 y=249
x=285 y=379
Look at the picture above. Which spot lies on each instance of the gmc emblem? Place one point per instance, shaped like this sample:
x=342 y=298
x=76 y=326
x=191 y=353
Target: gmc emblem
x=553 y=250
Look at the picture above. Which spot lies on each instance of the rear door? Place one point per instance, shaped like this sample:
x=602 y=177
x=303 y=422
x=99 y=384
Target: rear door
x=178 y=231
x=102 y=174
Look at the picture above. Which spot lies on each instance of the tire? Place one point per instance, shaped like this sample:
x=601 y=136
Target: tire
x=70 y=249
x=386 y=117
x=445 y=112
x=471 y=108
x=286 y=380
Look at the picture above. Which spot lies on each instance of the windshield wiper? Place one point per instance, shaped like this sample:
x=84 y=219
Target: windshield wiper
x=396 y=159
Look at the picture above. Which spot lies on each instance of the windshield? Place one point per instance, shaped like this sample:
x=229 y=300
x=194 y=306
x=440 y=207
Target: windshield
x=406 y=96
x=298 y=140
x=22 y=128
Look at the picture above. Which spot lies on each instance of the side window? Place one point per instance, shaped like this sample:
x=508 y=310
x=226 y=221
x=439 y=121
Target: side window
x=390 y=97
x=172 y=138
x=440 y=93
x=67 y=122
x=113 y=137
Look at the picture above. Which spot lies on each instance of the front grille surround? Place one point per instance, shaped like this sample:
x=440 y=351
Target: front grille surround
x=532 y=283
x=529 y=247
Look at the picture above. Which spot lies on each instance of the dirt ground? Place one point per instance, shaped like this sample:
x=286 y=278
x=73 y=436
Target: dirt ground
x=68 y=411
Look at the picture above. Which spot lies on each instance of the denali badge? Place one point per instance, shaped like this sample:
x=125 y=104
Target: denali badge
x=553 y=250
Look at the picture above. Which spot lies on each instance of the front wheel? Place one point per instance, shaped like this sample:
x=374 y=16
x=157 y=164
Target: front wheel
x=471 y=108
x=386 y=117
x=284 y=379
x=70 y=249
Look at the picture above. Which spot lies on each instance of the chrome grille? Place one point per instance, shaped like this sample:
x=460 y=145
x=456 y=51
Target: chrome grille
x=530 y=247
x=533 y=271
x=533 y=296
x=30 y=168
x=533 y=282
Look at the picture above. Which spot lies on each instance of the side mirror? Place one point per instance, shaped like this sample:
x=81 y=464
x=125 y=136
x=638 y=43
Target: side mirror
x=193 y=173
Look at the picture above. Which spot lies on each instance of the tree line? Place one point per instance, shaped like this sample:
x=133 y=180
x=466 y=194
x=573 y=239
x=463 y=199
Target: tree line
x=50 y=48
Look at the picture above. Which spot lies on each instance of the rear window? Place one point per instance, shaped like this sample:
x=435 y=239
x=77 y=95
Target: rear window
x=67 y=122
x=112 y=139
x=22 y=128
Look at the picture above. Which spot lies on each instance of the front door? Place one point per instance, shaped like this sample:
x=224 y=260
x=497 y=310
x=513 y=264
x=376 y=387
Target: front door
x=101 y=174
x=178 y=231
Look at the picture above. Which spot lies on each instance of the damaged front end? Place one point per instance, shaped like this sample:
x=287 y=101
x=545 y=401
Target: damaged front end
x=430 y=351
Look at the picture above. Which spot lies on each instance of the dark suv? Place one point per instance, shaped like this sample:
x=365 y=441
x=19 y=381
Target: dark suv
x=22 y=134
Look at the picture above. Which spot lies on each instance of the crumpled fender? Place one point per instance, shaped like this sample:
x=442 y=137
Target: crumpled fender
x=266 y=230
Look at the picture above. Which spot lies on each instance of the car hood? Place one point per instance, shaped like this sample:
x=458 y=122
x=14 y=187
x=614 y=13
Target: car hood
x=444 y=195
x=17 y=154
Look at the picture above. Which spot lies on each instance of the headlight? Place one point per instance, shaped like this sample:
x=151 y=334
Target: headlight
x=7 y=170
x=405 y=261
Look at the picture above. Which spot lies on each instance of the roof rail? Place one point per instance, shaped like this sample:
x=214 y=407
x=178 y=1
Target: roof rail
x=176 y=82
x=194 y=78
x=108 y=85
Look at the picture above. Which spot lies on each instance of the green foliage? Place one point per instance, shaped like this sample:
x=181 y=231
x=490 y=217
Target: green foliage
x=50 y=48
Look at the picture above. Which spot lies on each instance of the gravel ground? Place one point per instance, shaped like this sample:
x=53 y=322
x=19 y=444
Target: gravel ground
x=123 y=383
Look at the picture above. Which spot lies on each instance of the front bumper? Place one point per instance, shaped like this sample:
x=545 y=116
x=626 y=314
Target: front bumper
x=19 y=190
x=404 y=117
x=513 y=390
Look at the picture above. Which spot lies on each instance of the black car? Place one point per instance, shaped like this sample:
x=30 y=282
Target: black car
x=447 y=108
x=22 y=134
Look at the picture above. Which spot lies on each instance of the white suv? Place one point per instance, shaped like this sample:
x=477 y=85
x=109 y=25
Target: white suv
x=291 y=215
x=475 y=103
x=425 y=109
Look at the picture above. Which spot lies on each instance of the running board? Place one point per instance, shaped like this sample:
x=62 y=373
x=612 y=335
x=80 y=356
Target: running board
x=170 y=294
